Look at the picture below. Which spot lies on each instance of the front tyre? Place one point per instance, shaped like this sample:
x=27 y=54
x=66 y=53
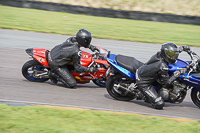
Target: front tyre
x=195 y=96
x=30 y=68
x=100 y=83
x=114 y=80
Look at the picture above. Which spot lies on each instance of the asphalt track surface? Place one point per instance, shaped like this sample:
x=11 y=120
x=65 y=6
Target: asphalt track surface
x=14 y=88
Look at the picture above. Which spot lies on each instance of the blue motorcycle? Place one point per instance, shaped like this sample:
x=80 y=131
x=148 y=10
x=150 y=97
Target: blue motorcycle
x=121 y=84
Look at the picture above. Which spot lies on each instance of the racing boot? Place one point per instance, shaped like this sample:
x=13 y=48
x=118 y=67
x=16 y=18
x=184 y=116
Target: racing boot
x=139 y=95
x=153 y=98
x=54 y=77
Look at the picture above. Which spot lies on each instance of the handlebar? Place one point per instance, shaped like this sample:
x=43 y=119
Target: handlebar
x=195 y=61
x=192 y=54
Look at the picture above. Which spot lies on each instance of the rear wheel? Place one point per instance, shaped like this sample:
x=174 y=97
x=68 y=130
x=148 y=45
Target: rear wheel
x=115 y=80
x=195 y=96
x=31 y=70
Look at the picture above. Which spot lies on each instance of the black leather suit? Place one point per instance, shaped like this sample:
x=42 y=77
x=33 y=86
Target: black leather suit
x=155 y=68
x=60 y=55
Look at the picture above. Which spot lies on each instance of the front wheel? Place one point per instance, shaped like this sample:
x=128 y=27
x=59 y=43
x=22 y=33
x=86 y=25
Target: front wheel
x=31 y=69
x=195 y=96
x=100 y=83
x=115 y=80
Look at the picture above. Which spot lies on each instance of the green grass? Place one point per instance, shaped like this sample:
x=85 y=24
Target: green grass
x=33 y=119
x=100 y=27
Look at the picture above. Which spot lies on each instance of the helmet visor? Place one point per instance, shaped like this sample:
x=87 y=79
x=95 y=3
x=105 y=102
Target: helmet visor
x=172 y=54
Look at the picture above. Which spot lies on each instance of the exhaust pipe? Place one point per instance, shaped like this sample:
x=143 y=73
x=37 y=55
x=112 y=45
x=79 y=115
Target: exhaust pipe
x=125 y=90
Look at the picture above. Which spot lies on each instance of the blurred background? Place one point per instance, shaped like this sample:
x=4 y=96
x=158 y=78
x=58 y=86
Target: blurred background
x=179 y=7
x=104 y=23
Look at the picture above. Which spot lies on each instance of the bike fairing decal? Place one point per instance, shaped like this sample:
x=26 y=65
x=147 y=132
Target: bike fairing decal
x=186 y=79
x=40 y=60
x=85 y=56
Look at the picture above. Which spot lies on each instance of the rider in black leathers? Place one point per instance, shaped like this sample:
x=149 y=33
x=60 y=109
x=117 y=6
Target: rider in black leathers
x=69 y=51
x=156 y=68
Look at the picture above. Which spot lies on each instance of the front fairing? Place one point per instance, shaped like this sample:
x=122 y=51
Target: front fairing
x=86 y=58
x=103 y=52
x=190 y=80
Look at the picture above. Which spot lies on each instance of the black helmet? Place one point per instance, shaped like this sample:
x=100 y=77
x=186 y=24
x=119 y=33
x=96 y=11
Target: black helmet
x=170 y=52
x=83 y=37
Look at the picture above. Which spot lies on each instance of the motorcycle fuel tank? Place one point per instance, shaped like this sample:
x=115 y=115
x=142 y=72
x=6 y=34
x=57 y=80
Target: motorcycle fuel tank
x=179 y=64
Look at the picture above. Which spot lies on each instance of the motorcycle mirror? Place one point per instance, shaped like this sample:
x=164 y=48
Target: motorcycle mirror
x=108 y=54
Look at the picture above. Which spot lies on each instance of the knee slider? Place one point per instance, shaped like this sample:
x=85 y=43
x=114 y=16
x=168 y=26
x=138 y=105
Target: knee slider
x=72 y=85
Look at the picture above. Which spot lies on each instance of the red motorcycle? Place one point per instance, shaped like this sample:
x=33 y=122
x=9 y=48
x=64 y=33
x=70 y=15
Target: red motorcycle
x=38 y=70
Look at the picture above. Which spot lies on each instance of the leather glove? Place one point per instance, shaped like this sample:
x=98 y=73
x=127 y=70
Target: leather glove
x=175 y=75
x=93 y=69
x=170 y=81
x=184 y=48
x=93 y=48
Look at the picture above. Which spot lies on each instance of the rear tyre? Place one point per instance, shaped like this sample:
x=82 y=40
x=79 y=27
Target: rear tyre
x=112 y=91
x=195 y=96
x=30 y=67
